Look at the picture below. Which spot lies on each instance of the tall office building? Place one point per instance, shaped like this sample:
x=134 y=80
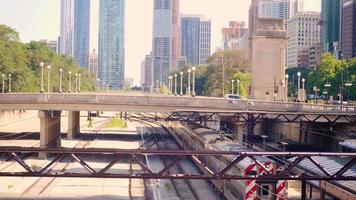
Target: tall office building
x=233 y=34
x=148 y=72
x=67 y=25
x=303 y=32
x=331 y=24
x=52 y=44
x=93 y=63
x=195 y=39
x=348 y=32
x=81 y=32
x=112 y=43
x=165 y=42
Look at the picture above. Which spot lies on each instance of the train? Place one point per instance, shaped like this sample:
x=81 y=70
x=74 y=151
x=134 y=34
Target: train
x=193 y=137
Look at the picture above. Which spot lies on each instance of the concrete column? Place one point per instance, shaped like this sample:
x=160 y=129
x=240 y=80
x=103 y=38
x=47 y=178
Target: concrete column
x=50 y=130
x=73 y=124
x=240 y=132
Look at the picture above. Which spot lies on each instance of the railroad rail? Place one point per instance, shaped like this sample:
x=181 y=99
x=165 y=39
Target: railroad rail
x=346 y=171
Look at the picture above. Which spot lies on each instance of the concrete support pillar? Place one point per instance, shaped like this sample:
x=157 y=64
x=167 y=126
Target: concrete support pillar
x=73 y=124
x=304 y=191
x=240 y=132
x=50 y=130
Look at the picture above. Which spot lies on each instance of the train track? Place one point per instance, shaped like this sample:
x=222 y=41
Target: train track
x=189 y=191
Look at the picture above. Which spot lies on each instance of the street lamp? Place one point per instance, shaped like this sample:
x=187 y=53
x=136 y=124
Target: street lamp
x=70 y=82
x=287 y=79
x=303 y=88
x=189 y=72
x=181 y=83
x=10 y=83
x=238 y=87
x=175 y=84
x=299 y=74
x=79 y=81
x=232 y=86
x=60 y=80
x=3 y=83
x=327 y=86
x=42 y=65
x=76 y=82
x=193 y=69
x=170 y=84
x=348 y=85
x=49 y=79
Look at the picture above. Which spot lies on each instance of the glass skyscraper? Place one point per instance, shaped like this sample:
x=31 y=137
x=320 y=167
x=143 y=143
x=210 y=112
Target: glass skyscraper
x=331 y=21
x=67 y=19
x=112 y=43
x=81 y=32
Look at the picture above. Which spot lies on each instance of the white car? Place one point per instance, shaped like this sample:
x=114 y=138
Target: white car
x=233 y=97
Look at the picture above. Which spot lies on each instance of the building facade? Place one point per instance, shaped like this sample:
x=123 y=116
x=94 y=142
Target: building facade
x=195 y=39
x=231 y=35
x=314 y=56
x=81 y=32
x=112 y=43
x=165 y=42
x=148 y=84
x=52 y=44
x=348 y=31
x=93 y=63
x=330 y=24
x=67 y=26
x=303 y=32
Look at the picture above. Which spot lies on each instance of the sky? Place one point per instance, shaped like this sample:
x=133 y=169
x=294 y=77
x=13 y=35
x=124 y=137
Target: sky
x=40 y=19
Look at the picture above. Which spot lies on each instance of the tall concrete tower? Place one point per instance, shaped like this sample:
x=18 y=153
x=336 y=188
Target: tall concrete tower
x=111 y=68
x=165 y=42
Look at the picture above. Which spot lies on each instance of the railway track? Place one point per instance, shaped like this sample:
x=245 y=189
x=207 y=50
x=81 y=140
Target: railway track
x=183 y=188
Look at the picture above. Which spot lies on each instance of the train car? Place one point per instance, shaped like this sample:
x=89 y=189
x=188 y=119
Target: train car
x=199 y=139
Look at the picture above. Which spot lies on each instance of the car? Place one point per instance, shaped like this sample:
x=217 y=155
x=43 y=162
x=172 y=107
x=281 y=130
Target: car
x=233 y=97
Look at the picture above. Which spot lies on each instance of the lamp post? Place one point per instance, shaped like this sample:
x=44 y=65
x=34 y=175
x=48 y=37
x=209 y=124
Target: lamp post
x=303 y=88
x=60 y=80
x=10 y=83
x=170 y=84
x=189 y=72
x=287 y=79
x=238 y=87
x=49 y=79
x=79 y=82
x=348 y=85
x=193 y=69
x=70 y=82
x=232 y=86
x=299 y=74
x=327 y=86
x=76 y=82
x=42 y=65
x=3 y=83
x=175 y=84
x=181 y=83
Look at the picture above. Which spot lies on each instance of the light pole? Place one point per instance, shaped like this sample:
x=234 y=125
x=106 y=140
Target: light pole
x=49 y=79
x=194 y=69
x=3 y=83
x=287 y=79
x=238 y=87
x=10 y=83
x=327 y=86
x=232 y=86
x=303 y=88
x=189 y=72
x=181 y=83
x=175 y=84
x=70 y=82
x=299 y=74
x=76 y=82
x=348 y=85
x=170 y=84
x=79 y=82
x=60 y=80
x=42 y=65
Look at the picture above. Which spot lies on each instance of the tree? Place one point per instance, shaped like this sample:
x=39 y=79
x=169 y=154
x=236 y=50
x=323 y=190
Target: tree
x=8 y=34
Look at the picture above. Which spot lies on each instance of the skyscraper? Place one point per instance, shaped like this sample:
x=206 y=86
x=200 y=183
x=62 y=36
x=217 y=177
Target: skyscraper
x=165 y=42
x=348 y=43
x=112 y=43
x=195 y=39
x=93 y=63
x=331 y=21
x=232 y=35
x=67 y=20
x=81 y=32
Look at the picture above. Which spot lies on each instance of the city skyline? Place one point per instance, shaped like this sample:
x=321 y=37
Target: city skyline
x=40 y=19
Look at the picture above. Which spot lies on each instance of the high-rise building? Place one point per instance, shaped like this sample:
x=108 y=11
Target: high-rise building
x=330 y=24
x=93 y=63
x=296 y=6
x=148 y=72
x=112 y=43
x=195 y=39
x=67 y=25
x=165 y=42
x=314 y=56
x=348 y=31
x=81 y=32
x=303 y=32
x=52 y=44
x=232 y=35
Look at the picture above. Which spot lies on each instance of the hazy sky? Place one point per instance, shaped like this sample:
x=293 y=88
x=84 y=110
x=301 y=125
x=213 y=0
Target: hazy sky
x=40 y=19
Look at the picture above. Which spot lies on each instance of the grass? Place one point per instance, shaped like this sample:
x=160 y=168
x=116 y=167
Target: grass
x=116 y=123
